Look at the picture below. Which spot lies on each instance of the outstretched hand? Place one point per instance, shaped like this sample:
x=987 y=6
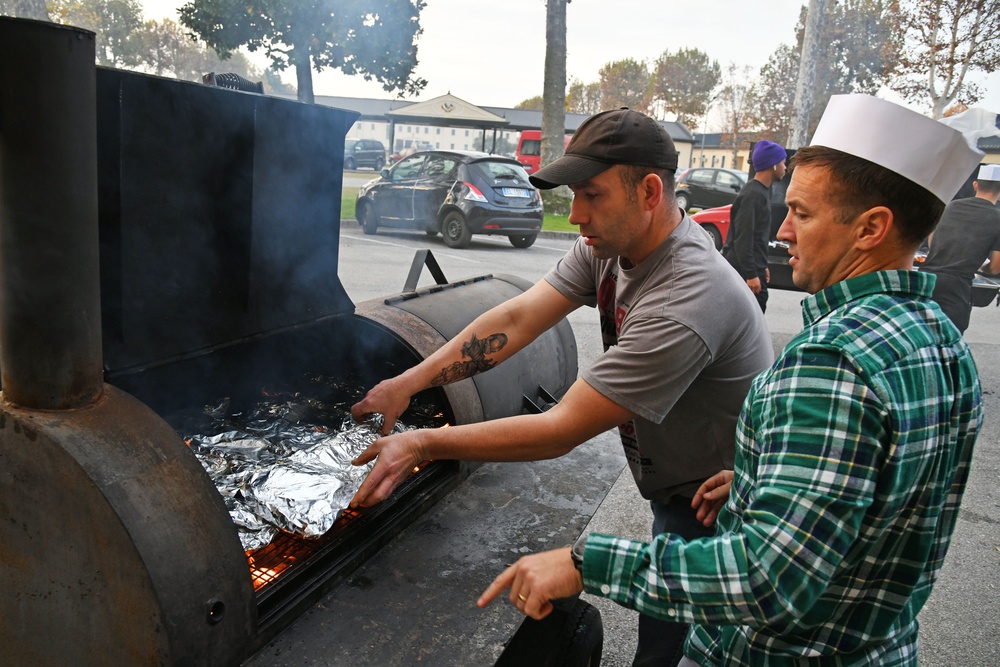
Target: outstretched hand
x=535 y=581
x=711 y=496
x=387 y=399
x=396 y=456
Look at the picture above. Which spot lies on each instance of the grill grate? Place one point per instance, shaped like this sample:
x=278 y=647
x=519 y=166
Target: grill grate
x=286 y=551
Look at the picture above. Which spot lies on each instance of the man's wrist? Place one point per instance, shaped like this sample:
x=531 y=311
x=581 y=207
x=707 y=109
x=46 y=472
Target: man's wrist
x=576 y=552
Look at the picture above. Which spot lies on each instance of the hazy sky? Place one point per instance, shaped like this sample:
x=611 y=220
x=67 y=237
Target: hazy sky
x=492 y=52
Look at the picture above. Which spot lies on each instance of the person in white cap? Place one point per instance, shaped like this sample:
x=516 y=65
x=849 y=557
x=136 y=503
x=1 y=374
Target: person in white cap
x=853 y=449
x=968 y=235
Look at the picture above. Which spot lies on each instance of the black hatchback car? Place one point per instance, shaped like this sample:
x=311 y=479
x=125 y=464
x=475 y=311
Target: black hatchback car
x=456 y=194
x=364 y=153
x=709 y=188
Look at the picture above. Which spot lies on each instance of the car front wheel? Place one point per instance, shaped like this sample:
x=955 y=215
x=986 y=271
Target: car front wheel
x=379 y=163
x=682 y=201
x=349 y=164
x=524 y=241
x=455 y=230
x=715 y=234
x=369 y=220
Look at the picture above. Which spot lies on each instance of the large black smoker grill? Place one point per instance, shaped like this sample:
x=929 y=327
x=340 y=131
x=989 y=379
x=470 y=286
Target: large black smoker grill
x=163 y=244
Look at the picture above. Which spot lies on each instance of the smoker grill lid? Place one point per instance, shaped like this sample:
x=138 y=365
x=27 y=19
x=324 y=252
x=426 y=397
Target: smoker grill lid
x=219 y=215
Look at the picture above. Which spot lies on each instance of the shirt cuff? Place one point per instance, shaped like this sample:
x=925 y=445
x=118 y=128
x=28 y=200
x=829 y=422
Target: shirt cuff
x=605 y=559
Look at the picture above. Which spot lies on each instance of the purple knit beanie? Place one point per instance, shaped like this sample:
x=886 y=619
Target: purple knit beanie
x=766 y=154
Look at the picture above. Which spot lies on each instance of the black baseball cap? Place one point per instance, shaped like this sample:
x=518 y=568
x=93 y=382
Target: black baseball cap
x=605 y=139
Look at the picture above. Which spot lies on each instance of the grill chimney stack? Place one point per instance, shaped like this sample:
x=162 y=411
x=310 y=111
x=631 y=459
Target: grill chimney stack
x=50 y=315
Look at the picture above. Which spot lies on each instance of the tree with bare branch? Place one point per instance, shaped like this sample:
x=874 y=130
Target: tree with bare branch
x=584 y=97
x=625 y=83
x=946 y=42
x=682 y=83
x=859 y=49
x=734 y=102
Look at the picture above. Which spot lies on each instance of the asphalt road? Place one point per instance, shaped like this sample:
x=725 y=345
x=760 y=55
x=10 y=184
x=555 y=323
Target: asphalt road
x=960 y=625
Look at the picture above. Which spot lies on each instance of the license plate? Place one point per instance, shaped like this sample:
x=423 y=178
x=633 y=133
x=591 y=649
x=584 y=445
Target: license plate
x=515 y=192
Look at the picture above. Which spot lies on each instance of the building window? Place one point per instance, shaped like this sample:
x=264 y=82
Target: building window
x=723 y=165
x=437 y=130
x=373 y=126
x=453 y=134
x=427 y=130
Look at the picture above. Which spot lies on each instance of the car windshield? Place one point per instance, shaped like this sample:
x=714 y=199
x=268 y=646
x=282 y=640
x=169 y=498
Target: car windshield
x=440 y=167
x=531 y=147
x=729 y=179
x=407 y=169
x=700 y=177
x=495 y=170
x=350 y=144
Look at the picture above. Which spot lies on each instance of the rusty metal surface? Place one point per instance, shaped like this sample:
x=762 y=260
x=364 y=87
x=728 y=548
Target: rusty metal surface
x=429 y=317
x=114 y=541
x=424 y=340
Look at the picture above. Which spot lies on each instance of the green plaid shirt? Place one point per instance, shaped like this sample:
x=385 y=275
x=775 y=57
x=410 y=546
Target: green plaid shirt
x=853 y=451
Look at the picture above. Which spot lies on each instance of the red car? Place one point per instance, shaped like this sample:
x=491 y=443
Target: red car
x=715 y=221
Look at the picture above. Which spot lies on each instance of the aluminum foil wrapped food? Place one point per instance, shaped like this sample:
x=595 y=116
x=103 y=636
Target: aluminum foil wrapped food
x=277 y=475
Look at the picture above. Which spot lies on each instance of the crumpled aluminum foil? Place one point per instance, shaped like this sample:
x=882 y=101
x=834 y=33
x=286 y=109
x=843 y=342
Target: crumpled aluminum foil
x=277 y=475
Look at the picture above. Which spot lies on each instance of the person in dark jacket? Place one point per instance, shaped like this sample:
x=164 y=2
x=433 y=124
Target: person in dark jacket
x=968 y=235
x=750 y=220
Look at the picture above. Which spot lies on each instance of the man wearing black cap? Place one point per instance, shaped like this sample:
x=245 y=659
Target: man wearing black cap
x=683 y=340
x=750 y=219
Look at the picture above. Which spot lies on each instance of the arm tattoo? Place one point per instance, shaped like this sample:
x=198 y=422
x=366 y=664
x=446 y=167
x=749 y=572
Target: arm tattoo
x=475 y=351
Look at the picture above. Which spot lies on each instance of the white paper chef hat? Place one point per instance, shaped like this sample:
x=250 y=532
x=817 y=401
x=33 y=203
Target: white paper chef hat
x=916 y=147
x=989 y=172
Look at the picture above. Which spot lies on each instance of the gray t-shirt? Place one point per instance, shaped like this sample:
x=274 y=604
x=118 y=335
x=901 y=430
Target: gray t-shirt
x=683 y=339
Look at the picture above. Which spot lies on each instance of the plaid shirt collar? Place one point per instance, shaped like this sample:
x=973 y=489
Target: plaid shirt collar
x=897 y=281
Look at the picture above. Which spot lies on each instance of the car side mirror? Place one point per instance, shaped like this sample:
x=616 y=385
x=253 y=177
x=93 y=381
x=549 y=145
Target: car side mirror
x=384 y=173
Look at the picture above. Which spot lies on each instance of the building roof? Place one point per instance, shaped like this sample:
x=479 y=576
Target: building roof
x=493 y=117
x=448 y=110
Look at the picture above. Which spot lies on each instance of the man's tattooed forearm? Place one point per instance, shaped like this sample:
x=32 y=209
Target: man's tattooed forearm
x=475 y=351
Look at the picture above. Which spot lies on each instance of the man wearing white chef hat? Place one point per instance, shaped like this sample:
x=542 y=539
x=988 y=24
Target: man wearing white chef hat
x=852 y=450
x=968 y=235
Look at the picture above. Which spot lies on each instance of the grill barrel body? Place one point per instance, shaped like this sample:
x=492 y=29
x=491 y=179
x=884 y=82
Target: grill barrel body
x=164 y=244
